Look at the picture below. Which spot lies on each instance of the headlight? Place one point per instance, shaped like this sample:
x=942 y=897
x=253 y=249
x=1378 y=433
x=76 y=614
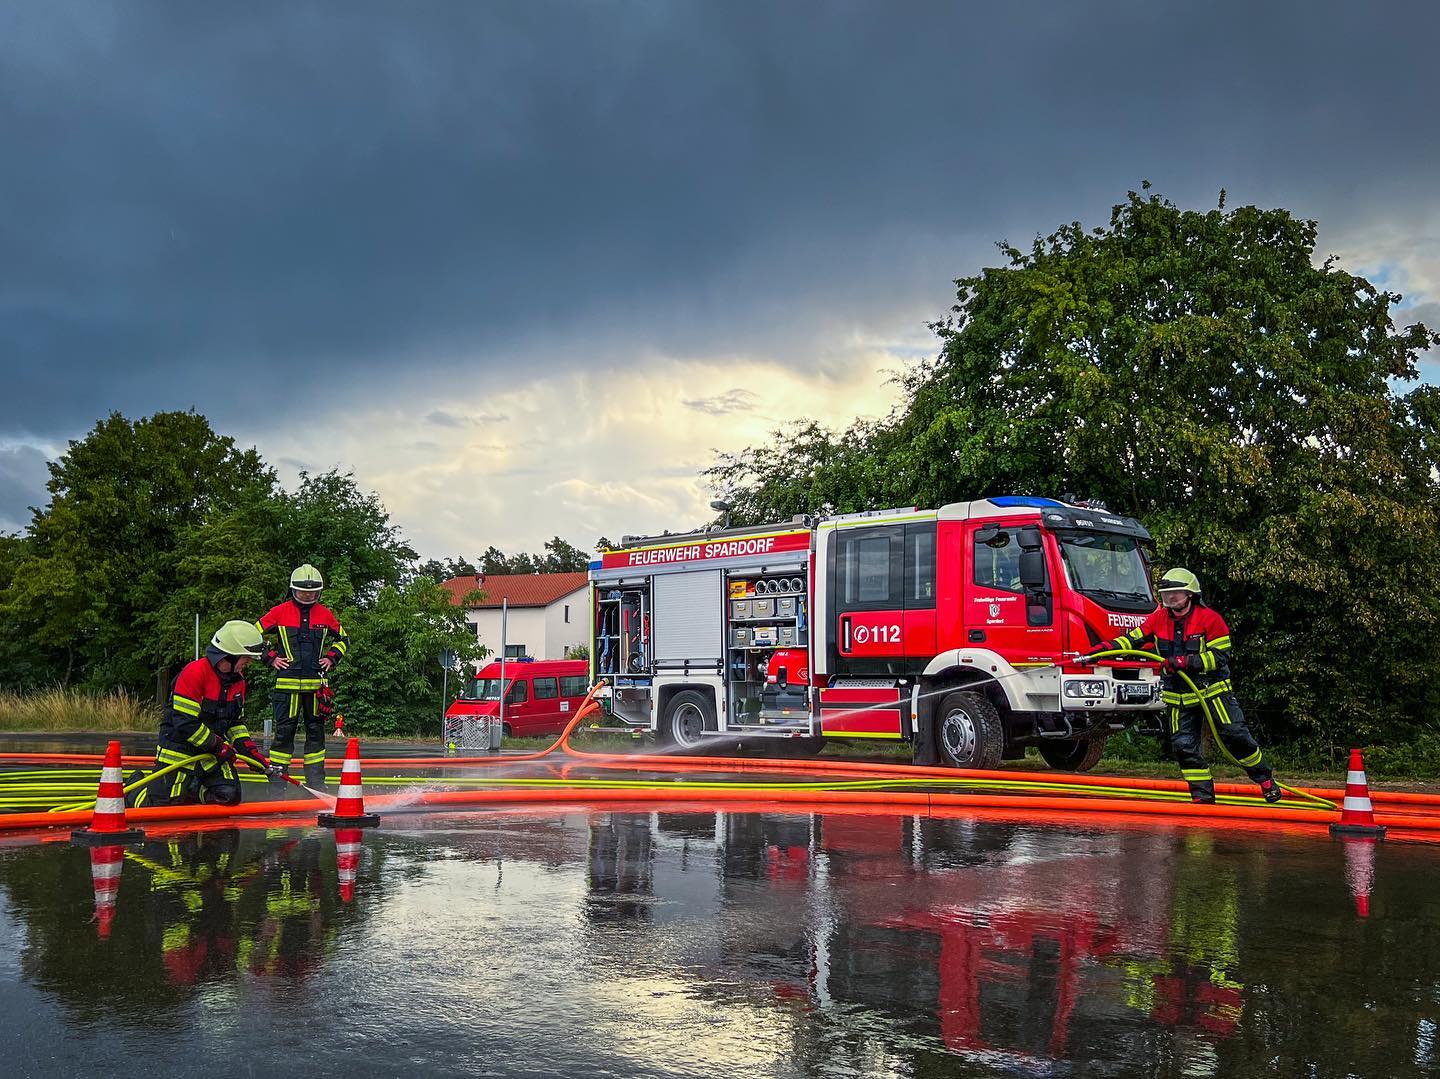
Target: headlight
x=1076 y=687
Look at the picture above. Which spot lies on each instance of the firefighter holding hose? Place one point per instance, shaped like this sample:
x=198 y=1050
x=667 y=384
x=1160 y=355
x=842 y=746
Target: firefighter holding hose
x=307 y=644
x=205 y=716
x=1194 y=639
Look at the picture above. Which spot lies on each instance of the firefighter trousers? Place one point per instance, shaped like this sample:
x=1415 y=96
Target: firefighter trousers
x=1187 y=737
x=206 y=781
x=291 y=710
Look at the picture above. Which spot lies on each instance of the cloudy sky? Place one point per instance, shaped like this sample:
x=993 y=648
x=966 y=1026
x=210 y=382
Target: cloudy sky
x=525 y=266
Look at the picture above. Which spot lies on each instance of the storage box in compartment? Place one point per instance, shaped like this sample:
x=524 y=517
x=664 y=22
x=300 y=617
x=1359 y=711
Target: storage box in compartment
x=742 y=608
x=740 y=637
x=785 y=607
x=763 y=608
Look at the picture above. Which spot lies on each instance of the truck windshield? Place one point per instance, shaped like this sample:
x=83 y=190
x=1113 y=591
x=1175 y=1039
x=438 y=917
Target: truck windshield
x=1107 y=567
x=483 y=689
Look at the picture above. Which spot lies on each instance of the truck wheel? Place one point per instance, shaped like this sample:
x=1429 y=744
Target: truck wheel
x=689 y=721
x=1073 y=756
x=968 y=731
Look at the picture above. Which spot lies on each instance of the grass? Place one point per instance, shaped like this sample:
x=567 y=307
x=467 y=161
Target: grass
x=66 y=709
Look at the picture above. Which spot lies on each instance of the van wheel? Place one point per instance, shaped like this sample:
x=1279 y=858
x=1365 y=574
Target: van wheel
x=968 y=731
x=1069 y=755
x=505 y=731
x=689 y=720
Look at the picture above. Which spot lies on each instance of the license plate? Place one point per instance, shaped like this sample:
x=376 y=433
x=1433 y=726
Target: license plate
x=1130 y=693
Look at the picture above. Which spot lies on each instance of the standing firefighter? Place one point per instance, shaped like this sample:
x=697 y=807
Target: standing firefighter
x=307 y=643
x=1193 y=638
x=205 y=715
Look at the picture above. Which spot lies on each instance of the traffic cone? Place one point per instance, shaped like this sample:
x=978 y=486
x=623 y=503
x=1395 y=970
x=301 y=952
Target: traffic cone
x=349 y=809
x=347 y=860
x=105 y=863
x=1357 y=816
x=107 y=822
x=1360 y=870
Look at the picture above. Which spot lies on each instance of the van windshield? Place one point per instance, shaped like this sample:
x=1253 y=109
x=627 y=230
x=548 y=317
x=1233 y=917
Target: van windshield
x=483 y=689
x=1109 y=568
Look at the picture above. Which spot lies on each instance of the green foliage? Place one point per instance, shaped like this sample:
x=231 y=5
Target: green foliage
x=103 y=555
x=559 y=557
x=390 y=682
x=1200 y=371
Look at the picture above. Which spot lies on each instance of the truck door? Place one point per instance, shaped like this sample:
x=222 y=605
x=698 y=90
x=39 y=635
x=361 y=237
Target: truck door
x=866 y=634
x=999 y=612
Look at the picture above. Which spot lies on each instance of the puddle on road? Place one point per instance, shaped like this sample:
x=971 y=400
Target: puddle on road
x=694 y=943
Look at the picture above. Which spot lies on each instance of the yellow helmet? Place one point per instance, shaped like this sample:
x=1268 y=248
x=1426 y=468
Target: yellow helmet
x=1180 y=580
x=237 y=638
x=306 y=579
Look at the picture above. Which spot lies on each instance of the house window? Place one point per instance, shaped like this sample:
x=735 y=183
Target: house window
x=567 y=613
x=475 y=628
x=516 y=651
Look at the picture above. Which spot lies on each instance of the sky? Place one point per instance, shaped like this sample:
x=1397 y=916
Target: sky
x=526 y=267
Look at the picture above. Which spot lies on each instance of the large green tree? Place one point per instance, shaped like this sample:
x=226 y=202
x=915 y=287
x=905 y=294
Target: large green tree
x=1202 y=370
x=103 y=555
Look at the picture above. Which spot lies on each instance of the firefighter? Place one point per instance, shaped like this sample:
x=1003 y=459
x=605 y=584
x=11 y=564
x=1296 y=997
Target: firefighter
x=1193 y=638
x=205 y=715
x=307 y=645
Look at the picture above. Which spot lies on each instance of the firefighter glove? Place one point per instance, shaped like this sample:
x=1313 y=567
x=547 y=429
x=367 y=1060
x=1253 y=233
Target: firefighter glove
x=248 y=748
x=1179 y=663
x=325 y=701
x=225 y=754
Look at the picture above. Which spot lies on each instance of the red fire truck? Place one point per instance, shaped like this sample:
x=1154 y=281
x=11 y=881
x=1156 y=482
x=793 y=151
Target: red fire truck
x=953 y=629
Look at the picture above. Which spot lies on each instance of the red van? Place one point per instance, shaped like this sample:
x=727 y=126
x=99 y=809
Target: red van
x=541 y=697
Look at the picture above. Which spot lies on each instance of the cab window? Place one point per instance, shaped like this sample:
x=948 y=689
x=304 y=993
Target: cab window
x=519 y=693
x=997 y=563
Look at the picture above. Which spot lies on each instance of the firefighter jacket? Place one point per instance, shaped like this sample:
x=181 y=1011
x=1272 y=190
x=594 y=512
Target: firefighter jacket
x=1201 y=637
x=302 y=633
x=205 y=709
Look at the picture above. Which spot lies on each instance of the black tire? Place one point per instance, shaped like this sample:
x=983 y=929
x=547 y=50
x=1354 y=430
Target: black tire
x=968 y=731
x=689 y=721
x=1069 y=755
x=505 y=731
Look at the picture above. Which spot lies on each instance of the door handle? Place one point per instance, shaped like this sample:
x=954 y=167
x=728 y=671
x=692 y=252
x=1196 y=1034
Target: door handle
x=976 y=636
x=845 y=633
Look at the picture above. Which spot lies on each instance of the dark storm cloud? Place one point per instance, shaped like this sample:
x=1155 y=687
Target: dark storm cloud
x=248 y=207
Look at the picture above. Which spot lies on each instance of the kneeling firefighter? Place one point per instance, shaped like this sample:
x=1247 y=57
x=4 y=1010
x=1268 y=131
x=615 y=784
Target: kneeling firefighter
x=1193 y=638
x=308 y=644
x=205 y=715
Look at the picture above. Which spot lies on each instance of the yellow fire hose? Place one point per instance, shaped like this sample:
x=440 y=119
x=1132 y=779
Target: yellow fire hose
x=157 y=774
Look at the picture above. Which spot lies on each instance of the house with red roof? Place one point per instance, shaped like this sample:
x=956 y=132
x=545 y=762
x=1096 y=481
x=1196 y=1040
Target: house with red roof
x=547 y=611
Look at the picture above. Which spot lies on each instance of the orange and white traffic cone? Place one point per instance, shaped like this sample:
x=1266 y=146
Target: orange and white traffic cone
x=1357 y=816
x=349 y=809
x=1360 y=870
x=105 y=863
x=107 y=822
x=347 y=860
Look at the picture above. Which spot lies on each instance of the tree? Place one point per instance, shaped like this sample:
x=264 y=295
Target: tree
x=103 y=555
x=390 y=682
x=1200 y=371
x=559 y=557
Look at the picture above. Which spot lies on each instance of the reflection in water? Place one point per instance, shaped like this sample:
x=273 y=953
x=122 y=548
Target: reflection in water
x=673 y=943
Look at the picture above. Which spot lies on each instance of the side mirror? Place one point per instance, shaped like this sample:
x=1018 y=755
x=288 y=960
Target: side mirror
x=1029 y=538
x=1032 y=570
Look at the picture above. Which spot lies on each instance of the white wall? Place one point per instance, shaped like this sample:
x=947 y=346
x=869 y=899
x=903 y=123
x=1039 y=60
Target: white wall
x=542 y=630
x=559 y=634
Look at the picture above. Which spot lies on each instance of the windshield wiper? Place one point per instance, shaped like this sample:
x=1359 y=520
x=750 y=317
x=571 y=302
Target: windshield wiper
x=1116 y=592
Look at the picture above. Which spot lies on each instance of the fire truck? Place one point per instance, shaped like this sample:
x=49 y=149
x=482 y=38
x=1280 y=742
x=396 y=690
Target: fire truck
x=954 y=630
